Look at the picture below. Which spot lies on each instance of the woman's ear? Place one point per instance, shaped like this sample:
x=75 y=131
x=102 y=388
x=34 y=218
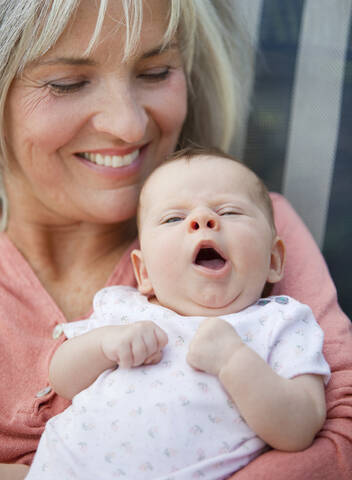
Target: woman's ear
x=277 y=261
x=141 y=274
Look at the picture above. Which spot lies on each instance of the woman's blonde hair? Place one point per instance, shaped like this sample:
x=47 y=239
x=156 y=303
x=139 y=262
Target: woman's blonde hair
x=211 y=41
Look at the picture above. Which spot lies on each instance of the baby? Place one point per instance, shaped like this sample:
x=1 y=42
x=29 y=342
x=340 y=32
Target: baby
x=209 y=373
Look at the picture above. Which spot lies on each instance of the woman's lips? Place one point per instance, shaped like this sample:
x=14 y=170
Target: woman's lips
x=110 y=160
x=109 y=164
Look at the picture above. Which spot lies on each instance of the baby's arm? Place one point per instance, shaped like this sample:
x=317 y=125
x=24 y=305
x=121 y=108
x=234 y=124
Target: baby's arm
x=80 y=360
x=285 y=413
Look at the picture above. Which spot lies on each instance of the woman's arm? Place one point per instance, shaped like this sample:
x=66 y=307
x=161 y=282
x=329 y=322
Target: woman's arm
x=307 y=279
x=80 y=360
x=13 y=471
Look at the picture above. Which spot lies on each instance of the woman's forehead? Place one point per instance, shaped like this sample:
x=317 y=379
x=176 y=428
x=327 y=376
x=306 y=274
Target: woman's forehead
x=113 y=31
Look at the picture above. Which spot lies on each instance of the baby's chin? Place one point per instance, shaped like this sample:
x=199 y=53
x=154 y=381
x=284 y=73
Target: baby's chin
x=199 y=311
x=192 y=309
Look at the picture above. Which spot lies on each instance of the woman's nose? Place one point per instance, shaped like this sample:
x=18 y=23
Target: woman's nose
x=203 y=220
x=122 y=115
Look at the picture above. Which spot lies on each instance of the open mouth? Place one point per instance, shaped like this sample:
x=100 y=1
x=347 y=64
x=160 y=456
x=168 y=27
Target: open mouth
x=208 y=257
x=114 y=161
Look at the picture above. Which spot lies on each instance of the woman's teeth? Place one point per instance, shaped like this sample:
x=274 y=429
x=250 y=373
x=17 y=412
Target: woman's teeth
x=114 y=161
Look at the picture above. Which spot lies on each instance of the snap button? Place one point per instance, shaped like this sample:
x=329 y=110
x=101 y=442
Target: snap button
x=43 y=392
x=58 y=330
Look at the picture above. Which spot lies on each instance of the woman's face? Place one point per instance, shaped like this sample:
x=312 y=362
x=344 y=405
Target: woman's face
x=83 y=133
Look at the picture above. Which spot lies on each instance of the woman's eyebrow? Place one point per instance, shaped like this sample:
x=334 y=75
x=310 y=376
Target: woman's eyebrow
x=64 y=61
x=160 y=49
x=90 y=62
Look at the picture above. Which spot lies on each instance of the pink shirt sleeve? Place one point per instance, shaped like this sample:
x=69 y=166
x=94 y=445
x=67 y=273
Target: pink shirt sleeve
x=307 y=279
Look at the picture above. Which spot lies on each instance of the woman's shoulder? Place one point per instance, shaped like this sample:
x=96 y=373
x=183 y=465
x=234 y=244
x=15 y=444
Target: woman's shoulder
x=283 y=210
x=291 y=228
x=6 y=245
x=14 y=268
x=306 y=275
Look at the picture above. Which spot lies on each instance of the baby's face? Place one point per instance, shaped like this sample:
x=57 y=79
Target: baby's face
x=207 y=247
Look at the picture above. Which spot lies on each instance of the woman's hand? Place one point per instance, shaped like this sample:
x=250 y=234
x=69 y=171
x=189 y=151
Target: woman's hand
x=213 y=345
x=13 y=471
x=135 y=344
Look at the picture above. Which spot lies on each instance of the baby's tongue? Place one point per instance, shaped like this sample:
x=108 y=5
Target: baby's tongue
x=209 y=258
x=212 y=263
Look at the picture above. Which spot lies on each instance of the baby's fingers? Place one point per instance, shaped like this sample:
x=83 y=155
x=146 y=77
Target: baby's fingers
x=153 y=359
x=139 y=351
x=154 y=337
x=148 y=343
x=161 y=337
x=125 y=356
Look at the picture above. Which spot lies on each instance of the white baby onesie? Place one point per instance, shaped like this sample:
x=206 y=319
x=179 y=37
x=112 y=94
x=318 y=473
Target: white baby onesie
x=168 y=421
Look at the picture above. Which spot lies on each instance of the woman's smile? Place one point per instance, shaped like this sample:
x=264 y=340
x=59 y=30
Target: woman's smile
x=110 y=160
x=114 y=165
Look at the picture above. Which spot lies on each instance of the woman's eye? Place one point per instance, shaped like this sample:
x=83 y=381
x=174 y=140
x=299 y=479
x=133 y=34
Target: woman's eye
x=156 y=74
x=64 y=88
x=173 y=220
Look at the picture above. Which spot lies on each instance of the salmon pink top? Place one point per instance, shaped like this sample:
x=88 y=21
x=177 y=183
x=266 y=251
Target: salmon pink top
x=29 y=337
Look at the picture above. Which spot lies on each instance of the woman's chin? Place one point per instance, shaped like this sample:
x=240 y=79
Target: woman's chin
x=115 y=206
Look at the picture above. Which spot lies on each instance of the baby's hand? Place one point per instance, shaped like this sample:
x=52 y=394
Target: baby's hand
x=212 y=346
x=135 y=344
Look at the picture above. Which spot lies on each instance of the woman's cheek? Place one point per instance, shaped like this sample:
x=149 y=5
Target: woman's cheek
x=171 y=102
x=57 y=125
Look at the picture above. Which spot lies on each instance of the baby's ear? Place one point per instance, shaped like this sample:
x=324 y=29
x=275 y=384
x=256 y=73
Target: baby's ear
x=141 y=274
x=277 y=261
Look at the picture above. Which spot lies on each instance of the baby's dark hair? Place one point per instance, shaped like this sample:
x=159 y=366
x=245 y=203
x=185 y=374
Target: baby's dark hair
x=260 y=193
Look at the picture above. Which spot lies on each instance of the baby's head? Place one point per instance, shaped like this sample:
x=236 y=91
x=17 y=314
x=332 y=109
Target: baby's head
x=207 y=235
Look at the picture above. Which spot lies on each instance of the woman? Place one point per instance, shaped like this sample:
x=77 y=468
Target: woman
x=92 y=100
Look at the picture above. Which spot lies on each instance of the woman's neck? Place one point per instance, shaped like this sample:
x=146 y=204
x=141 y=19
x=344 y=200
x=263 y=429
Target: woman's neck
x=59 y=248
x=76 y=258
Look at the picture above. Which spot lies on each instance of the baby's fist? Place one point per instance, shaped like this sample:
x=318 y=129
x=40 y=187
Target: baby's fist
x=134 y=344
x=212 y=346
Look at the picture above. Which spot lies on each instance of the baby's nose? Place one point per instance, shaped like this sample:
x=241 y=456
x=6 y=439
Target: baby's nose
x=203 y=220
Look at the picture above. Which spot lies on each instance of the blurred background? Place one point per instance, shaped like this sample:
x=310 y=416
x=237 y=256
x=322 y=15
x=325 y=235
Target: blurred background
x=298 y=137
